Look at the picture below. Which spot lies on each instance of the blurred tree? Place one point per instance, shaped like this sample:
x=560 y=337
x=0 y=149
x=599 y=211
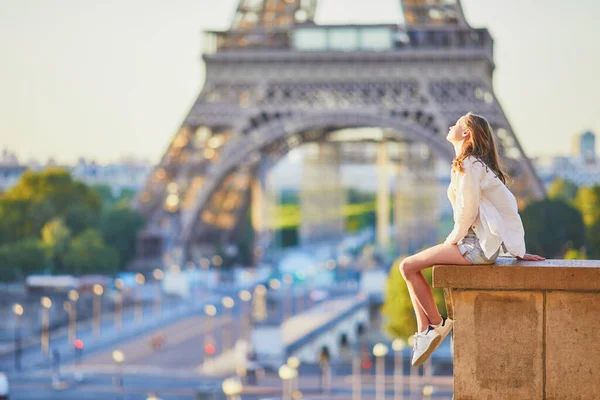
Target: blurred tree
x=22 y=258
x=355 y=196
x=120 y=226
x=56 y=236
x=289 y=196
x=89 y=254
x=398 y=310
x=574 y=254
x=80 y=217
x=552 y=227
x=109 y=198
x=593 y=241
x=39 y=197
x=561 y=189
x=587 y=201
x=57 y=187
x=246 y=242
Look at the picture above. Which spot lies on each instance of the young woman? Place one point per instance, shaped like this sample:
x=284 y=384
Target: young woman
x=486 y=219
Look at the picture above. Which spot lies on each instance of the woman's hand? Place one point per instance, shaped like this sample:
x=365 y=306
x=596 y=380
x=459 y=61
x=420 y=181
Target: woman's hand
x=531 y=257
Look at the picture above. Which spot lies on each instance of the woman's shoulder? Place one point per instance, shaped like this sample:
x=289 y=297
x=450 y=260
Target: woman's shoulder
x=474 y=163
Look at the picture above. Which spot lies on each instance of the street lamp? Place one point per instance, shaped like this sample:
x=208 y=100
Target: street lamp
x=46 y=304
x=260 y=303
x=299 y=300
x=119 y=359
x=288 y=279
x=414 y=371
x=139 y=312
x=245 y=296
x=228 y=303
x=73 y=298
x=356 y=379
x=427 y=392
x=398 y=346
x=210 y=311
x=232 y=387
x=119 y=295
x=294 y=362
x=379 y=351
x=158 y=275
x=274 y=284
x=98 y=290
x=288 y=296
x=287 y=373
x=18 y=310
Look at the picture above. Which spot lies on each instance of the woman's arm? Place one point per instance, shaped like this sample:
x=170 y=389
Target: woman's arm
x=468 y=195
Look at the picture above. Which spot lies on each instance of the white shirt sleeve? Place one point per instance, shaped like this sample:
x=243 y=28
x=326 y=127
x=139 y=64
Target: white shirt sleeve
x=468 y=196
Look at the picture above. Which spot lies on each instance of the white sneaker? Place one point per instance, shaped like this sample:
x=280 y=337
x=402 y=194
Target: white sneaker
x=444 y=329
x=424 y=344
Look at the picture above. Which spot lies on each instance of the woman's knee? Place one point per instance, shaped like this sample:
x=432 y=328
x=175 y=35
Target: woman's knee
x=407 y=267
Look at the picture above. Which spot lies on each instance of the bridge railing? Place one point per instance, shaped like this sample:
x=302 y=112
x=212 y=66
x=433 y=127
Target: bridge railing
x=524 y=330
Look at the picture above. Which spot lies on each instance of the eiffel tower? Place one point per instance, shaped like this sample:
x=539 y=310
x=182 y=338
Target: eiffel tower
x=276 y=80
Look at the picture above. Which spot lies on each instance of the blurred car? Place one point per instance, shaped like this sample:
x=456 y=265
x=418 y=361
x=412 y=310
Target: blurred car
x=4 y=387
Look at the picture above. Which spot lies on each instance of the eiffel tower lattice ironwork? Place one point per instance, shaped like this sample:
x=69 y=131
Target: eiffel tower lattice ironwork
x=276 y=79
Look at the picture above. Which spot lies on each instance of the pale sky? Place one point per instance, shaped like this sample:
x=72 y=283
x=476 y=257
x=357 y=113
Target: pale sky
x=108 y=78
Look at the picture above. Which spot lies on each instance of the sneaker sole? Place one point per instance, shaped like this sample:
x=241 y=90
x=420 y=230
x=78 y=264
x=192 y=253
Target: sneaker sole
x=423 y=357
x=434 y=345
x=444 y=334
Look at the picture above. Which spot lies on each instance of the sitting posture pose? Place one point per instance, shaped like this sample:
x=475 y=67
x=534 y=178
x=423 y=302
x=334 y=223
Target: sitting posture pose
x=486 y=219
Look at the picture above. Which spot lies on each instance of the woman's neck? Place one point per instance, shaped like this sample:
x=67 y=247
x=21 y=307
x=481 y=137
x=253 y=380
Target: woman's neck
x=458 y=147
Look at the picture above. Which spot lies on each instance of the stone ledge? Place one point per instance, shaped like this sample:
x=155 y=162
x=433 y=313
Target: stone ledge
x=524 y=330
x=511 y=274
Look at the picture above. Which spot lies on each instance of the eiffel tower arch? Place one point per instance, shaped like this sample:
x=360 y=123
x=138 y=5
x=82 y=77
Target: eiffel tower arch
x=276 y=80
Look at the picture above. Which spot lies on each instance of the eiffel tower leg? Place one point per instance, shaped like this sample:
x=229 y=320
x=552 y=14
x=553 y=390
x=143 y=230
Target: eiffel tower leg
x=322 y=196
x=402 y=202
x=383 y=195
x=263 y=207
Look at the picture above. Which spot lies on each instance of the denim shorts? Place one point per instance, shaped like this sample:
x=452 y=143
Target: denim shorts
x=471 y=249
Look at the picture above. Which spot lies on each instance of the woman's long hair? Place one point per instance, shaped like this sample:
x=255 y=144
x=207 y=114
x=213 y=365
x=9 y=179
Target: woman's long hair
x=481 y=145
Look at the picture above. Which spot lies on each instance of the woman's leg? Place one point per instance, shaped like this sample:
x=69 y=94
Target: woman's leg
x=420 y=291
x=422 y=320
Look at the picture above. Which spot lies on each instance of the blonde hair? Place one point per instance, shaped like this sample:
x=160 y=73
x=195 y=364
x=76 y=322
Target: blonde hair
x=481 y=145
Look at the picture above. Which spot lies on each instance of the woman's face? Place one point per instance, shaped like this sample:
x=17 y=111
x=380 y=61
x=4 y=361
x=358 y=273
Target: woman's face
x=458 y=132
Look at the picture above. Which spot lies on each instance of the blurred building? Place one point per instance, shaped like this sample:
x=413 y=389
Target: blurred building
x=581 y=167
x=126 y=174
x=10 y=170
x=584 y=147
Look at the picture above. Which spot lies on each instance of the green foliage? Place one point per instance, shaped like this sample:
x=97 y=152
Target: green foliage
x=56 y=236
x=552 y=227
x=593 y=241
x=289 y=197
x=39 y=197
x=574 y=254
x=561 y=189
x=109 y=199
x=57 y=187
x=22 y=258
x=587 y=202
x=119 y=228
x=89 y=254
x=51 y=205
x=398 y=311
x=246 y=241
x=356 y=196
x=288 y=237
x=357 y=222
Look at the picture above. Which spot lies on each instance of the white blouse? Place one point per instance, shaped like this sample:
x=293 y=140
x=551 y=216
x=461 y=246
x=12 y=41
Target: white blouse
x=481 y=201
